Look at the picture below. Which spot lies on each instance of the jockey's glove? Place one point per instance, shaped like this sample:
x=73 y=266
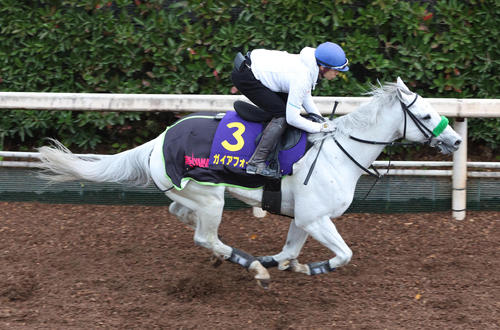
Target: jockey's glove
x=327 y=127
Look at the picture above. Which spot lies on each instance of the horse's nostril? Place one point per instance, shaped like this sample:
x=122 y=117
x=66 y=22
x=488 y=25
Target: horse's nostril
x=457 y=142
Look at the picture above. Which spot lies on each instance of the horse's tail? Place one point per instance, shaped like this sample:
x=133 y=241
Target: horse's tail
x=130 y=167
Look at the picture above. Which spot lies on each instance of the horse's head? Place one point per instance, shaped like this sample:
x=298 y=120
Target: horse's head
x=423 y=124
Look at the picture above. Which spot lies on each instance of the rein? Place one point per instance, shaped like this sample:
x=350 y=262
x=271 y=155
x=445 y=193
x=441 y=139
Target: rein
x=375 y=173
x=428 y=134
x=320 y=146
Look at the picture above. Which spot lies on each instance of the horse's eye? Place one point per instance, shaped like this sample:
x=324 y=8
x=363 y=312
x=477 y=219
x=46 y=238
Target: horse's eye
x=426 y=117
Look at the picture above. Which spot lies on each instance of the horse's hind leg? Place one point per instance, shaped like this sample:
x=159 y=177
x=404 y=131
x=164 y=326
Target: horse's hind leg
x=184 y=214
x=207 y=204
x=201 y=208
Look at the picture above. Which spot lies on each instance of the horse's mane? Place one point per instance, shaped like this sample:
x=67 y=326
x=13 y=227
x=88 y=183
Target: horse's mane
x=367 y=113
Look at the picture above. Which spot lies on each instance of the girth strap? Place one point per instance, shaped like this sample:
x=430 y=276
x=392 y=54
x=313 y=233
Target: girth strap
x=271 y=196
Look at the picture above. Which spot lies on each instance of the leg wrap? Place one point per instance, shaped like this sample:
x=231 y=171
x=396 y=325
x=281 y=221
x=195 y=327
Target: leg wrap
x=267 y=261
x=241 y=258
x=321 y=267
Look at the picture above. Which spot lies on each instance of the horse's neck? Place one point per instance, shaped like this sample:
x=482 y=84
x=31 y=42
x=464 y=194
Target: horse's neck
x=384 y=129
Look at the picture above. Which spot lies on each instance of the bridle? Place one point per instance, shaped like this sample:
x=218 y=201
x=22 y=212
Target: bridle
x=426 y=132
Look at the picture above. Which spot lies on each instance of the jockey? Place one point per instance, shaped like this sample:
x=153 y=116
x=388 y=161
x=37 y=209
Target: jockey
x=281 y=83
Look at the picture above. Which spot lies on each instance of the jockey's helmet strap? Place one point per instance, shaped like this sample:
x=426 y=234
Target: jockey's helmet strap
x=441 y=126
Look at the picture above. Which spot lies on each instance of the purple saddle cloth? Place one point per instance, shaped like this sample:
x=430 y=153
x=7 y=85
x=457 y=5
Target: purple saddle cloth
x=203 y=148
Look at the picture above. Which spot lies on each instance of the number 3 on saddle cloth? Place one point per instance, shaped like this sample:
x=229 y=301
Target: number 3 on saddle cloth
x=210 y=150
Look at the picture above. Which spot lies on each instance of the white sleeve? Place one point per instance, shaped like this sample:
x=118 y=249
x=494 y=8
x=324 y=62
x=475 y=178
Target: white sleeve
x=294 y=118
x=296 y=95
x=309 y=104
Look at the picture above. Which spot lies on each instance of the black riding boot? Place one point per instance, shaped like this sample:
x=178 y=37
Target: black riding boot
x=270 y=137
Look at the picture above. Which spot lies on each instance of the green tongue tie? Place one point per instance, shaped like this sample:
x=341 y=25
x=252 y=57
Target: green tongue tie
x=441 y=126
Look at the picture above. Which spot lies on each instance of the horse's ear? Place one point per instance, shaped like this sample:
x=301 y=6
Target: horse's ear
x=402 y=86
x=402 y=95
x=402 y=89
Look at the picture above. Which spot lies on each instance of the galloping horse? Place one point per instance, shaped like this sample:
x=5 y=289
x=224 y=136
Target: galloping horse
x=393 y=112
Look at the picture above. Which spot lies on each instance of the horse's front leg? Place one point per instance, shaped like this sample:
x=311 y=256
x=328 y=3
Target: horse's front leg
x=325 y=232
x=286 y=259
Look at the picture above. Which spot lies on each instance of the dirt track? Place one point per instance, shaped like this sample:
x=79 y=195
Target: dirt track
x=136 y=267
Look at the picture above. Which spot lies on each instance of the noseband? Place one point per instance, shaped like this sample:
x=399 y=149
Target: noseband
x=428 y=134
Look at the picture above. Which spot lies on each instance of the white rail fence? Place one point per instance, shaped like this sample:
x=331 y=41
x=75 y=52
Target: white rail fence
x=461 y=109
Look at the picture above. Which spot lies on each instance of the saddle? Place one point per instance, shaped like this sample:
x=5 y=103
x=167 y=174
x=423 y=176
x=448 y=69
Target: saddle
x=212 y=148
x=292 y=134
x=253 y=113
x=271 y=199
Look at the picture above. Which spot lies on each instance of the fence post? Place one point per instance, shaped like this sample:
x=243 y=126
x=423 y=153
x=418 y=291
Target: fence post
x=459 y=178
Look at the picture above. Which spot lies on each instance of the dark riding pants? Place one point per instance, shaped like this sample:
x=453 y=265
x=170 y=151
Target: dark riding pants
x=259 y=94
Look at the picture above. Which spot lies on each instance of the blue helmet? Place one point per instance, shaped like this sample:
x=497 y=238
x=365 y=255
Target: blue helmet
x=332 y=56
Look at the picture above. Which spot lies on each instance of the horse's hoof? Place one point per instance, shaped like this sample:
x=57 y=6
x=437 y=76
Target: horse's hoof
x=215 y=261
x=264 y=284
x=261 y=274
x=299 y=268
x=284 y=265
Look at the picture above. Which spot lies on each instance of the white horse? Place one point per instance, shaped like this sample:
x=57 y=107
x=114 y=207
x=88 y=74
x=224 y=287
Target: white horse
x=394 y=112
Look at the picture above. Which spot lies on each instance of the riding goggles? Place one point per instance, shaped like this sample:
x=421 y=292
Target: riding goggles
x=340 y=67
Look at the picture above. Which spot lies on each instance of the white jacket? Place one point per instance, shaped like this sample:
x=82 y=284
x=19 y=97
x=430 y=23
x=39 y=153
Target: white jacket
x=295 y=74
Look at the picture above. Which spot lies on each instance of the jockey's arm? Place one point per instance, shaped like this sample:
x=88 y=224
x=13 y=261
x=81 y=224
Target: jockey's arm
x=309 y=105
x=299 y=95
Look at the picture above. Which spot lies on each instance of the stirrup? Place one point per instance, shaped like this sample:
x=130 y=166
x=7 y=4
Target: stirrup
x=255 y=168
x=251 y=169
x=262 y=169
x=269 y=173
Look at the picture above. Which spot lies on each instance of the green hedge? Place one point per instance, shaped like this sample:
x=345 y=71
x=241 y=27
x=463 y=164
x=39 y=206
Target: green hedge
x=440 y=48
